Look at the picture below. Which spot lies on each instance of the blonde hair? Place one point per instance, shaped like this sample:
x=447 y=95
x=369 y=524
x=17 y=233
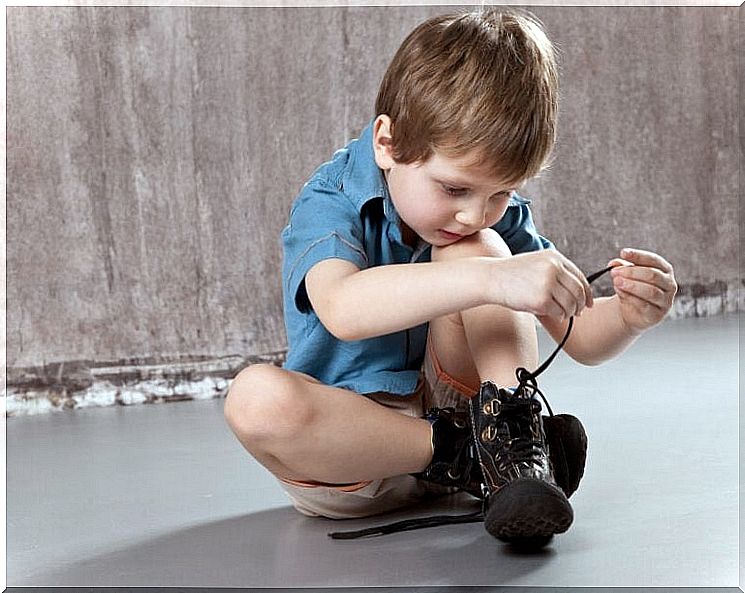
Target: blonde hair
x=483 y=80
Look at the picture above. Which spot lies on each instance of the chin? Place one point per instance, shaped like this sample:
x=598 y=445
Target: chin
x=442 y=242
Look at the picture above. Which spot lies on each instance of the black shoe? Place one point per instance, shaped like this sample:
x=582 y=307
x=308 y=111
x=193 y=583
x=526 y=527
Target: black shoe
x=523 y=502
x=454 y=462
x=455 y=457
x=567 y=450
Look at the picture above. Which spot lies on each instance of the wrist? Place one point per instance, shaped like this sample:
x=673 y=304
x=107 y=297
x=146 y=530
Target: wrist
x=630 y=331
x=489 y=279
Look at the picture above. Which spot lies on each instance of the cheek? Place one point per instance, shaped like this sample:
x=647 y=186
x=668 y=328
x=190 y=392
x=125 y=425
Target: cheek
x=428 y=208
x=439 y=210
x=496 y=213
x=424 y=213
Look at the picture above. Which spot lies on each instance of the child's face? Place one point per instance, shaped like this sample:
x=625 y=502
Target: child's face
x=444 y=198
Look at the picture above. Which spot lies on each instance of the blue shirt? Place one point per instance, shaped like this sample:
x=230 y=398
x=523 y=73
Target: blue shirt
x=345 y=211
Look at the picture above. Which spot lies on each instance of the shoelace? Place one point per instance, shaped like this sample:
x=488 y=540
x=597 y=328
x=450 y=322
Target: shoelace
x=522 y=451
x=463 y=457
x=513 y=413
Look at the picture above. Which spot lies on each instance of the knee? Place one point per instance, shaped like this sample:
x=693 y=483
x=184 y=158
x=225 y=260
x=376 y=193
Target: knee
x=486 y=243
x=265 y=403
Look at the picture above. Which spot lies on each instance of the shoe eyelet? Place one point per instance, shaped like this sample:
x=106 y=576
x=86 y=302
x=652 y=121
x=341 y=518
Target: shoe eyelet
x=491 y=408
x=488 y=434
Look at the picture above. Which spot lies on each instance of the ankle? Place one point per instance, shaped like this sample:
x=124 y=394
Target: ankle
x=452 y=463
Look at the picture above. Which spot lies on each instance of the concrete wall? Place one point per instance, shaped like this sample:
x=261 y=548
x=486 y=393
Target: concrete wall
x=153 y=153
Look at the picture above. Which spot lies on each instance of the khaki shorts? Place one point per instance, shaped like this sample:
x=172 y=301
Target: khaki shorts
x=435 y=388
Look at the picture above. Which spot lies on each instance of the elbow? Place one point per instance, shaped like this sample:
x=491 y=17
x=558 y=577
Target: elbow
x=585 y=358
x=342 y=327
x=334 y=299
x=343 y=332
x=589 y=362
x=339 y=315
x=582 y=353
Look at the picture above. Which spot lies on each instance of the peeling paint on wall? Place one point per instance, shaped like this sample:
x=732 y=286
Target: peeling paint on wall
x=84 y=385
x=104 y=393
x=716 y=298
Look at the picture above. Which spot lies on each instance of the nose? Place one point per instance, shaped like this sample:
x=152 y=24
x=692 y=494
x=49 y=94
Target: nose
x=472 y=216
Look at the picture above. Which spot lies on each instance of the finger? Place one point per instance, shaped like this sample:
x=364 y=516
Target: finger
x=653 y=276
x=550 y=308
x=571 y=300
x=618 y=262
x=574 y=296
x=558 y=309
x=587 y=299
x=641 y=257
x=644 y=309
x=641 y=290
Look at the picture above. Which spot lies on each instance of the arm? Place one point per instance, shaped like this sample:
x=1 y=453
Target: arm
x=355 y=305
x=645 y=288
x=599 y=334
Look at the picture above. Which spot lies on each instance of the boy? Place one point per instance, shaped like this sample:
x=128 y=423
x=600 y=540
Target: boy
x=412 y=275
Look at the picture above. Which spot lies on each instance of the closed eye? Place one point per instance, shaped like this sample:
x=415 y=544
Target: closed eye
x=454 y=191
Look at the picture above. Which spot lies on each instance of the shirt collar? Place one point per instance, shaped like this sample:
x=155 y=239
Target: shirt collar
x=363 y=180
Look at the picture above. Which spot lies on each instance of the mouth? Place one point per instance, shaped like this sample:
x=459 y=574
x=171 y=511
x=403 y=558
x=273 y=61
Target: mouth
x=451 y=236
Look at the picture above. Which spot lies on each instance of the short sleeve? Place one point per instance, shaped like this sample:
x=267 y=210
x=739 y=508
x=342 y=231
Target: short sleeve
x=323 y=224
x=518 y=230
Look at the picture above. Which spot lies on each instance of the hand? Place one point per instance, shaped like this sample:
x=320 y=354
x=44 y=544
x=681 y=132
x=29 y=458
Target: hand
x=544 y=283
x=645 y=285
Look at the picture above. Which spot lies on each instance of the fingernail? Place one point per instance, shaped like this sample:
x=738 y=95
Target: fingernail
x=627 y=251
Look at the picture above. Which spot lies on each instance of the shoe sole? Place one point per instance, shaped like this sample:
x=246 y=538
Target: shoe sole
x=528 y=509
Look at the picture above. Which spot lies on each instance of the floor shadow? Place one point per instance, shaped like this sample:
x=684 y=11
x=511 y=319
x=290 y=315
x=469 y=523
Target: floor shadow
x=281 y=548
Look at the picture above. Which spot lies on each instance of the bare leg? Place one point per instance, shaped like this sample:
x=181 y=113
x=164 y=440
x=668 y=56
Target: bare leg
x=301 y=429
x=487 y=342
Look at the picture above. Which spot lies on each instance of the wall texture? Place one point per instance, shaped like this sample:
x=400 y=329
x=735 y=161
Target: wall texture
x=153 y=154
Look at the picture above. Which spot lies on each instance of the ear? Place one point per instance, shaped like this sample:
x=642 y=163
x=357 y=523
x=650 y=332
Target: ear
x=383 y=142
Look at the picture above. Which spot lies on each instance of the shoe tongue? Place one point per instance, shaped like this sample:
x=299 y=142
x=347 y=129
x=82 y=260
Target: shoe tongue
x=516 y=393
x=517 y=428
x=519 y=423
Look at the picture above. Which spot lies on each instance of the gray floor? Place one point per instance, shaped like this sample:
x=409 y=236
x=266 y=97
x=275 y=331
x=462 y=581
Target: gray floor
x=162 y=495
